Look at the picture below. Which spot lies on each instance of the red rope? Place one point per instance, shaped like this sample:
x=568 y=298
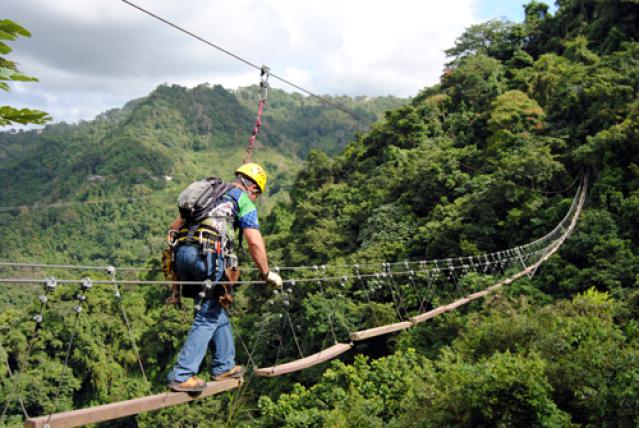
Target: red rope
x=264 y=73
x=256 y=129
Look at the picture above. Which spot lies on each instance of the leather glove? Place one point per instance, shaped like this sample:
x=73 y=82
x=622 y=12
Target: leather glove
x=272 y=279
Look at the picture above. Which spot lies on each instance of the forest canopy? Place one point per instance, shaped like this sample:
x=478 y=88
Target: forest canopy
x=487 y=159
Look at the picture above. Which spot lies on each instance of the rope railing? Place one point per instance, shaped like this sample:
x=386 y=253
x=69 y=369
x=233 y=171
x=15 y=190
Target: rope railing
x=567 y=227
x=442 y=263
x=516 y=251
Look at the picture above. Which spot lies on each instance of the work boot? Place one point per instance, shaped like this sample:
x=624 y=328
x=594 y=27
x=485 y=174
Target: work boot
x=192 y=384
x=234 y=373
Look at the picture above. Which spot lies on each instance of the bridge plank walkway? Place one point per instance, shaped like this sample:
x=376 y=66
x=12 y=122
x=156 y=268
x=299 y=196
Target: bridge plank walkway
x=121 y=409
x=304 y=363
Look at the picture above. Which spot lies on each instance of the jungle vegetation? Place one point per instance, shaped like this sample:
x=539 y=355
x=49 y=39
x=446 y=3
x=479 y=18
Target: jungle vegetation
x=484 y=160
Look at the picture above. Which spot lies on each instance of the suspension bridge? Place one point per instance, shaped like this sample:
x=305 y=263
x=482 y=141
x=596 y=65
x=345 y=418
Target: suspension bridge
x=409 y=285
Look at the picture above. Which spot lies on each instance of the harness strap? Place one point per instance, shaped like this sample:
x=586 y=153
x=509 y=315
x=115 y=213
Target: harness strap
x=198 y=234
x=191 y=231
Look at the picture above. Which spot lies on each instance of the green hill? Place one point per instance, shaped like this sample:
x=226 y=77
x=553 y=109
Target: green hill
x=113 y=181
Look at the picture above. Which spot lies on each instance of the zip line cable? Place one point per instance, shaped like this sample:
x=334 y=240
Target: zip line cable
x=250 y=64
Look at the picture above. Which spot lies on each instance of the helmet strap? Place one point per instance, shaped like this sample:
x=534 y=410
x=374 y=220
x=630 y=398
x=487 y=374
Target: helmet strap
x=245 y=186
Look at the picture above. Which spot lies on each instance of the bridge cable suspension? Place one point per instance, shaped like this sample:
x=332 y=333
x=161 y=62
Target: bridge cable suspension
x=118 y=296
x=49 y=286
x=502 y=260
x=250 y=64
x=81 y=298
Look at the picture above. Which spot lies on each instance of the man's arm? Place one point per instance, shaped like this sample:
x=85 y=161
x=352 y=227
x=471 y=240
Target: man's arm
x=258 y=252
x=174 y=298
x=257 y=249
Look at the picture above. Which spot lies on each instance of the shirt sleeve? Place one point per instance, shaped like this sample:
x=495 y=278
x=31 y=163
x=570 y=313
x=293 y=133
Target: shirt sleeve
x=247 y=214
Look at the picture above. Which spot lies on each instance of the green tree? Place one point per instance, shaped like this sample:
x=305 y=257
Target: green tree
x=9 y=71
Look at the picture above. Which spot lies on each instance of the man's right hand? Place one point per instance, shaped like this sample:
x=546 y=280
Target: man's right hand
x=272 y=279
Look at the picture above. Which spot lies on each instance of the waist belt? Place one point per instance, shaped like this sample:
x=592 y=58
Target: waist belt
x=200 y=234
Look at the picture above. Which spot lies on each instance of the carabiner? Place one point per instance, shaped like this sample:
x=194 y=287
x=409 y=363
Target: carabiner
x=171 y=237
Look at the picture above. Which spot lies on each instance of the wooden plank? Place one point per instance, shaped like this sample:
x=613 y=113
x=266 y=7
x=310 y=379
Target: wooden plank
x=120 y=409
x=494 y=287
x=478 y=294
x=457 y=303
x=427 y=315
x=303 y=363
x=378 y=331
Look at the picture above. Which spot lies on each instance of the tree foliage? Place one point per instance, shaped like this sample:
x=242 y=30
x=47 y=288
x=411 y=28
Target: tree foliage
x=9 y=71
x=482 y=161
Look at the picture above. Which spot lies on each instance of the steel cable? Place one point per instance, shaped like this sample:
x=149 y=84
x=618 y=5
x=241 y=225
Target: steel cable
x=249 y=63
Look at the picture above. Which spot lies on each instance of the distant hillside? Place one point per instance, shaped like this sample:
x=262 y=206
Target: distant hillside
x=145 y=152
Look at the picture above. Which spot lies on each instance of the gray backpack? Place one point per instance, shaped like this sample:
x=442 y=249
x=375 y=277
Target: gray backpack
x=200 y=198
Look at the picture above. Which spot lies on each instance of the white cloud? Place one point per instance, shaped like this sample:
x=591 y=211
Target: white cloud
x=100 y=54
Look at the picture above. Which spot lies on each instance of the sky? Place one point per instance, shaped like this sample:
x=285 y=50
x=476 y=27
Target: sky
x=94 y=55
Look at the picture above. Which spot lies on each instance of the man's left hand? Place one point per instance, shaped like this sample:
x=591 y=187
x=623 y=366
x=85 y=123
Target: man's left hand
x=272 y=279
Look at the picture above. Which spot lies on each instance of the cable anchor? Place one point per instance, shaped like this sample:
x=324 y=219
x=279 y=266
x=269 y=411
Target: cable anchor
x=265 y=73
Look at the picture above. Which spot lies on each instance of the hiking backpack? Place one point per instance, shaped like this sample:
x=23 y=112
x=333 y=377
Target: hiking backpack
x=200 y=198
x=204 y=212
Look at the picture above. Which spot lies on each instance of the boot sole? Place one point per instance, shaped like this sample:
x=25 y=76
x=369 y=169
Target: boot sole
x=237 y=375
x=184 y=389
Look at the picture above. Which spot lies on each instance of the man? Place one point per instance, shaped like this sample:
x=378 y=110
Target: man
x=211 y=325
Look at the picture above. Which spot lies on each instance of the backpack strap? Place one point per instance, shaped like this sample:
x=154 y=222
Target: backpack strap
x=213 y=194
x=191 y=232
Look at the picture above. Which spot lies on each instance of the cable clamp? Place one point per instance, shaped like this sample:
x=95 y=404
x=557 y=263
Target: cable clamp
x=86 y=284
x=264 y=75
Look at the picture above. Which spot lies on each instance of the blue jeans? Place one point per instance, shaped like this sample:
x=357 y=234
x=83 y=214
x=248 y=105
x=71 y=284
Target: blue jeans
x=211 y=326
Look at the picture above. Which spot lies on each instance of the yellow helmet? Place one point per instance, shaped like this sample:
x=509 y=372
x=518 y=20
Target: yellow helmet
x=255 y=172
